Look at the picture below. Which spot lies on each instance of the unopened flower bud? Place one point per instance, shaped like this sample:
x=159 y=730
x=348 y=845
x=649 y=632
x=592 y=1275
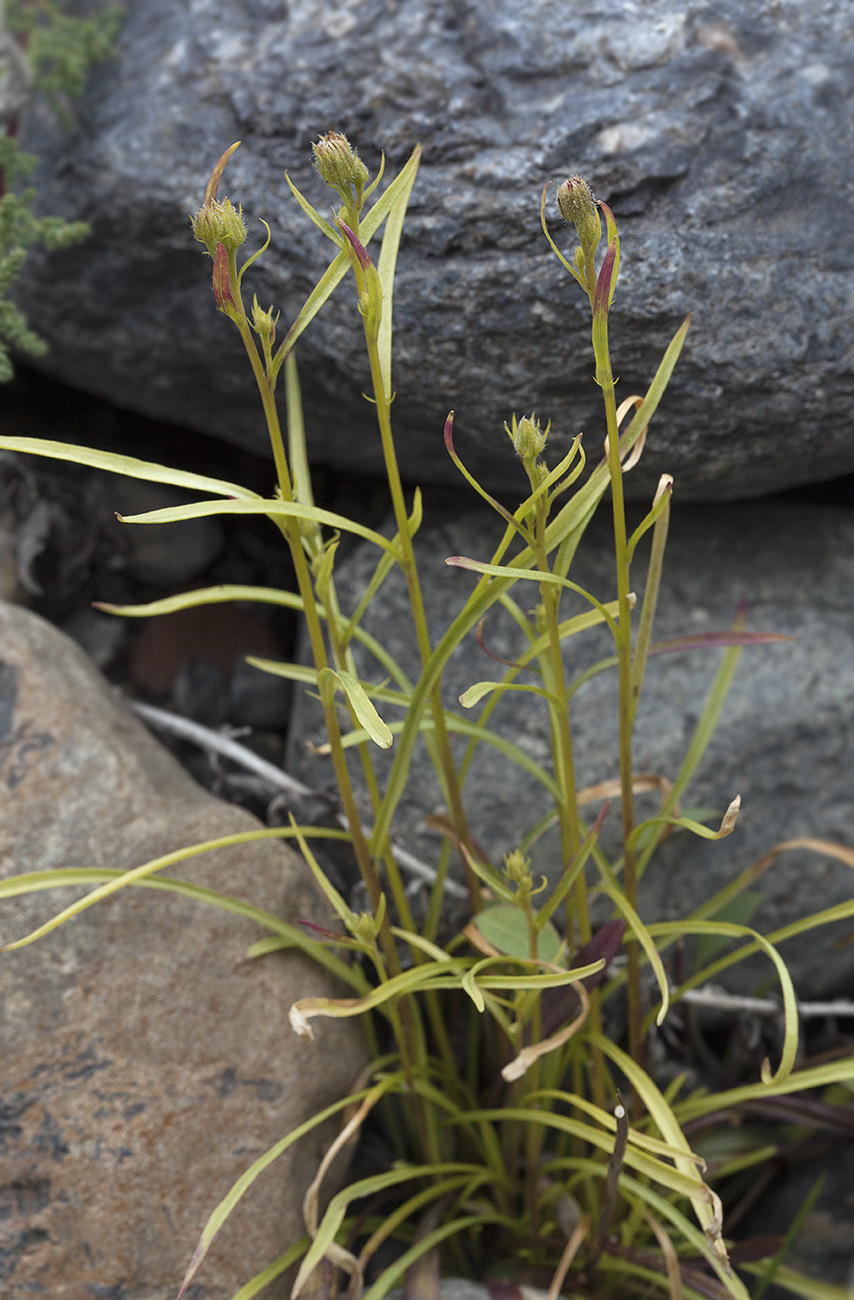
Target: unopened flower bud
x=264 y=322
x=517 y=869
x=528 y=438
x=339 y=164
x=219 y=223
x=578 y=208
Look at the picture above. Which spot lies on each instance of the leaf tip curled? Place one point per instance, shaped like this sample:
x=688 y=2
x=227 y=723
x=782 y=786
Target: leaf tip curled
x=665 y=485
x=299 y=1024
x=730 y=816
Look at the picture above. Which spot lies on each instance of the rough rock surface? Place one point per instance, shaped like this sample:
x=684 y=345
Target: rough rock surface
x=144 y=1064
x=785 y=743
x=718 y=132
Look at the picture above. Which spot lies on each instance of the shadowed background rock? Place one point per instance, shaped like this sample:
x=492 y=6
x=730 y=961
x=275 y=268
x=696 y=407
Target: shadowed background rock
x=717 y=132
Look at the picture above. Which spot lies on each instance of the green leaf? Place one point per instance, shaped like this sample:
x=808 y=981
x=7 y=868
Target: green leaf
x=127 y=465
x=388 y=262
x=475 y=693
x=258 y=506
x=506 y=928
x=287 y=936
x=203 y=596
x=359 y=702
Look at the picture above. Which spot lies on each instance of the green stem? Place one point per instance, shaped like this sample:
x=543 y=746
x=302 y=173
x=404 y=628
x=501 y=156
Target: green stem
x=449 y=775
x=605 y=380
x=291 y=531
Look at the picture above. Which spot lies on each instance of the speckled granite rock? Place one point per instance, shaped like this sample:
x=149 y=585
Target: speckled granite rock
x=785 y=744
x=144 y=1064
x=718 y=132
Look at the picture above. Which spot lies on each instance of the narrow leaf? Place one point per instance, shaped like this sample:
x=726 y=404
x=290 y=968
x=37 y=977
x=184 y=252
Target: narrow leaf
x=359 y=702
x=127 y=465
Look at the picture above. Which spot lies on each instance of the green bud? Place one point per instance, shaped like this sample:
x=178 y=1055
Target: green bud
x=264 y=322
x=517 y=868
x=528 y=438
x=578 y=208
x=339 y=164
x=219 y=223
x=367 y=925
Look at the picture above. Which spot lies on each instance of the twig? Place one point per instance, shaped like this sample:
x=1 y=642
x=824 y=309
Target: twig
x=215 y=742
x=711 y=995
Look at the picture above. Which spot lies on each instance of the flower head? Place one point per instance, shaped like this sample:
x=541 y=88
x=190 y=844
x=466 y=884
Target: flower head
x=577 y=206
x=528 y=438
x=219 y=223
x=339 y=164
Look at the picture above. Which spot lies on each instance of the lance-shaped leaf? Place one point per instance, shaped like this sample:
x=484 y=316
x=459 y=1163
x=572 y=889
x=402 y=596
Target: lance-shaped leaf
x=387 y=265
x=613 y=238
x=127 y=465
x=605 y=282
x=328 y=680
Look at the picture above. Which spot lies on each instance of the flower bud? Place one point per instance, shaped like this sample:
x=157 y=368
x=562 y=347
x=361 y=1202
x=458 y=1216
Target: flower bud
x=264 y=322
x=517 y=868
x=219 y=223
x=339 y=164
x=578 y=208
x=528 y=438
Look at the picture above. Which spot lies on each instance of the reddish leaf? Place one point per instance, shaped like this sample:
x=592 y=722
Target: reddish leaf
x=603 y=284
x=222 y=281
x=358 y=248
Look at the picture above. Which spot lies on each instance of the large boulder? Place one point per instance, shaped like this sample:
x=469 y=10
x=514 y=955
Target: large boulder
x=785 y=741
x=716 y=131
x=145 y=1064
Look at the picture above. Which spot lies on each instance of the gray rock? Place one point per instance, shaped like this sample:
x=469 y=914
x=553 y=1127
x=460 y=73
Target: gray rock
x=145 y=1065
x=719 y=133
x=785 y=743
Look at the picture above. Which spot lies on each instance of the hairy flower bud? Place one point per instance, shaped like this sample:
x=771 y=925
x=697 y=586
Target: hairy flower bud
x=578 y=208
x=517 y=868
x=528 y=438
x=264 y=322
x=339 y=164
x=219 y=223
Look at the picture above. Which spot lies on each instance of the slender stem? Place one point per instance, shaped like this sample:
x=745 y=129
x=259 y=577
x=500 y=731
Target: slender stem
x=407 y=562
x=605 y=380
x=568 y=810
x=291 y=531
